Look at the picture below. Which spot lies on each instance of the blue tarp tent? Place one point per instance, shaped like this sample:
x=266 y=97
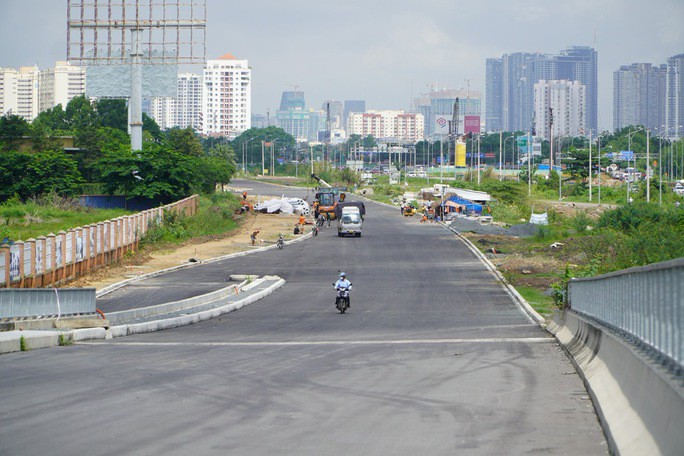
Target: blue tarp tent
x=468 y=206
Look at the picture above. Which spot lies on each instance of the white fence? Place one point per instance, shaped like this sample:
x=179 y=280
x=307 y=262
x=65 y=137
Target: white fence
x=57 y=258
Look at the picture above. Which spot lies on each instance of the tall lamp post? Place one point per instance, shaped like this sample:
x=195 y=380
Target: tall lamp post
x=599 y=168
x=630 y=176
x=512 y=148
x=244 y=154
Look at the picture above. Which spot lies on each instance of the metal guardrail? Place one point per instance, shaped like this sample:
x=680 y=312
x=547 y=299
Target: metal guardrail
x=41 y=302
x=645 y=303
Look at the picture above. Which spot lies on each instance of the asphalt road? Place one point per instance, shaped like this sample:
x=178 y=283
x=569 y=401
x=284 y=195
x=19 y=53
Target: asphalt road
x=432 y=358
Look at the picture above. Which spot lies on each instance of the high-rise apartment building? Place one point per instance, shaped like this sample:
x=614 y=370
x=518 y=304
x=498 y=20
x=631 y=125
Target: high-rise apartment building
x=163 y=111
x=183 y=111
x=674 y=97
x=60 y=84
x=8 y=91
x=27 y=84
x=226 y=96
x=639 y=95
x=387 y=125
x=352 y=106
x=28 y=91
x=510 y=85
x=580 y=63
x=188 y=103
x=565 y=102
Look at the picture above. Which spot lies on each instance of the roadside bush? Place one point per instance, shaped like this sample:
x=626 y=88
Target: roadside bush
x=580 y=222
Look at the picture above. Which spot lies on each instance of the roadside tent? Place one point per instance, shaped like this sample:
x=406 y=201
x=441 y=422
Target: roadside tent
x=466 y=206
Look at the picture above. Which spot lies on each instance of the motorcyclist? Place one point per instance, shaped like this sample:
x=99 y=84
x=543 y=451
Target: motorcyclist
x=342 y=282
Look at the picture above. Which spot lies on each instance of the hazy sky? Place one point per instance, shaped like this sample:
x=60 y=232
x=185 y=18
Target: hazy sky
x=383 y=51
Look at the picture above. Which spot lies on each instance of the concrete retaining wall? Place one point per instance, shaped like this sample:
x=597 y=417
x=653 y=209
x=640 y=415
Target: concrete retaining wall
x=640 y=405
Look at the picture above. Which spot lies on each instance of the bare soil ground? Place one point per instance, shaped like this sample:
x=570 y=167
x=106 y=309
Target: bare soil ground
x=146 y=261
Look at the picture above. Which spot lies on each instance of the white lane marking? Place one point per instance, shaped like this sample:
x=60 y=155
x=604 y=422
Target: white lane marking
x=526 y=340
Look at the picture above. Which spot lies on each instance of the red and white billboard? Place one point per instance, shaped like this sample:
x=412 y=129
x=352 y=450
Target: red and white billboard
x=471 y=124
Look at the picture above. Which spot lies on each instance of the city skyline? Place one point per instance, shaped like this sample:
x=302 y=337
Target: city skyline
x=387 y=53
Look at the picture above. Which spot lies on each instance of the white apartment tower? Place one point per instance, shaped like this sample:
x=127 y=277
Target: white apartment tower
x=188 y=104
x=8 y=91
x=60 y=84
x=27 y=84
x=396 y=125
x=163 y=111
x=28 y=91
x=226 y=99
x=566 y=100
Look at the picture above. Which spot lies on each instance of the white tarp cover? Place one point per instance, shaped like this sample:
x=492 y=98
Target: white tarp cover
x=274 y=205
x=540 y=219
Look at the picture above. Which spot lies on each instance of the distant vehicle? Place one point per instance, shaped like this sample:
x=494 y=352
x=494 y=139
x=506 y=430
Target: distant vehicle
x=350 y=222
x=679 y=188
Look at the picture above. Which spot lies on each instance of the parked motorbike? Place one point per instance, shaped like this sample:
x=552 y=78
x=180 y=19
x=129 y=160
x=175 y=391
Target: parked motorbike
x=342 y=301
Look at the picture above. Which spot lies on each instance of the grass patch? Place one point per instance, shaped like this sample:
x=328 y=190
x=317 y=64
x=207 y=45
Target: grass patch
x=215 y=217
x=22 y=221
x=65 y=340
x=23 y=344
x=540 y=302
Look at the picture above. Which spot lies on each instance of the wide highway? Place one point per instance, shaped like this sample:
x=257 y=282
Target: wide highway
x=433 y=358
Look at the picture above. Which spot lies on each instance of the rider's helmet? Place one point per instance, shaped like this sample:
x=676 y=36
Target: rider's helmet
x=343 y=275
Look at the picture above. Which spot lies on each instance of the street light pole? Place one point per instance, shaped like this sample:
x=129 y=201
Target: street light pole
x=648 y=166
x=591 y=171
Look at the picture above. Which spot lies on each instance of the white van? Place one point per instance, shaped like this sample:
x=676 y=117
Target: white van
x=350 y=223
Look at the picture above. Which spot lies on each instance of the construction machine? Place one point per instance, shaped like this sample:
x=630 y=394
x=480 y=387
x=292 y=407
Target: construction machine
x=327 y=198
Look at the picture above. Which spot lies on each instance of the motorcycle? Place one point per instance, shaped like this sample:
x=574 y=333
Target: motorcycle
x=281 y=242
x=342 y=301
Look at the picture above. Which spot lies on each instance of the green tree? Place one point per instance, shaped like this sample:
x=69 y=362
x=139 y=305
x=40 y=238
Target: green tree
x=12 y=127
x=80 y=113
x=13 y=171
x=53 y=120
x=158 y=172
x=218 y=167
x=150 y=126
x=53 y=171
x=185 y=141
x=113 y=113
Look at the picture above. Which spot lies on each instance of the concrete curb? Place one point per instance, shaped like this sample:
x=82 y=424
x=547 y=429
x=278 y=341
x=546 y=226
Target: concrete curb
x=640 y=407
x=139 y=328
x=10 y=341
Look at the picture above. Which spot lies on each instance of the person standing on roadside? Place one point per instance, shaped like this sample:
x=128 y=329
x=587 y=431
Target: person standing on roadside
x=253 y=236
x=244 y=195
